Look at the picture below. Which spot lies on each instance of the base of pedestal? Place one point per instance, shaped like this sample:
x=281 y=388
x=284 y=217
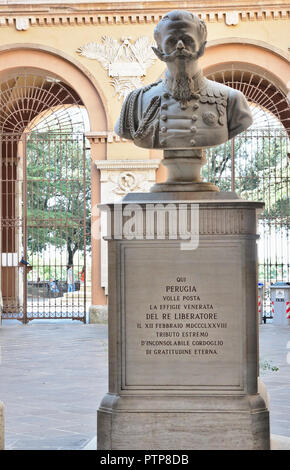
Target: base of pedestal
x=98 y=314
x=184 y=423
x=179 y=187
x=1 y=426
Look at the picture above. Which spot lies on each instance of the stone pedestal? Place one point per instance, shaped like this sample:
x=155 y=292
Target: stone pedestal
x=1 y=426
x=98 y=314
x=184 y=168
x=183 y=326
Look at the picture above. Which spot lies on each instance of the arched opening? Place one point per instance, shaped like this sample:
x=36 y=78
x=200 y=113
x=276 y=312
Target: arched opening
x=261 y=92
x=46 y=198
x=255 y=164
x=30 y=97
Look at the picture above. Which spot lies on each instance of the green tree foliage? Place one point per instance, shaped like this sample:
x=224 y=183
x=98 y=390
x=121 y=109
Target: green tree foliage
x=219 y=164
x=58 y=194
x=261 y=170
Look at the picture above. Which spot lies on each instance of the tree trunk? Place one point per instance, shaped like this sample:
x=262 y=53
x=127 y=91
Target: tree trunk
x=71 y=251
x=70 y=254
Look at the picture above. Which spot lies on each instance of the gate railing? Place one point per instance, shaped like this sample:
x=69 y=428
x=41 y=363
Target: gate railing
x=45 y=225
x=46 y=204
x=255 y=165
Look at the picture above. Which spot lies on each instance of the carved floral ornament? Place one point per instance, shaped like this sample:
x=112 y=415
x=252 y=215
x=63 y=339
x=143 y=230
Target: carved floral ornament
x=130 y=181
x=125 y=182
x=125 y=61
x=232 y=18
x=22 y=23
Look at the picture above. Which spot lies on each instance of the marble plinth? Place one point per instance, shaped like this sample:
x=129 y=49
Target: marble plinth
x=1 y=426
x=98 y=314
x=183 y=328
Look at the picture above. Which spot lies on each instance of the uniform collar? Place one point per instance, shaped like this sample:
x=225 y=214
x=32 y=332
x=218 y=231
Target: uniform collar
x=198 y=80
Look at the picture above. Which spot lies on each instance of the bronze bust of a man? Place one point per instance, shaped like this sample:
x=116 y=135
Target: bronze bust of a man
x=185 y=110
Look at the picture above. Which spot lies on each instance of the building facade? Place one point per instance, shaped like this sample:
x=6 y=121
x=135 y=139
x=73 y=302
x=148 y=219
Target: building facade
x=89 y=55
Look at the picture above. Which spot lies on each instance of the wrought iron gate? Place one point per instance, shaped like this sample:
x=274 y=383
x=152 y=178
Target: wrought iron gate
x=45 y=186
x=255 y=165
x=44 y=225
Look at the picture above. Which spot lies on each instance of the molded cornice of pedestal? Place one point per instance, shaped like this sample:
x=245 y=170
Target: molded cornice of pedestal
x=215 y=217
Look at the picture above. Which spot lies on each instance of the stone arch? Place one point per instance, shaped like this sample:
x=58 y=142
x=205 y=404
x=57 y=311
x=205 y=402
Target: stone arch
x=257 y=54
x=38 y=58
x=29 y=97
x=263 y=69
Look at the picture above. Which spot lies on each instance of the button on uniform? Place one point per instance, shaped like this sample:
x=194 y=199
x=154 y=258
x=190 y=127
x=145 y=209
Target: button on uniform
x=185 y=124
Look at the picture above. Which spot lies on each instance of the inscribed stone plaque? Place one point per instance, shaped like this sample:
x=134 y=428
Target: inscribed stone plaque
x=182 y=316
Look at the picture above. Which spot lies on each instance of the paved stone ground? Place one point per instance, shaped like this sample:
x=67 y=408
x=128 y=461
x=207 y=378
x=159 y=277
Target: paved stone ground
x=54 y=374
x=275 y=348
x=52 y=378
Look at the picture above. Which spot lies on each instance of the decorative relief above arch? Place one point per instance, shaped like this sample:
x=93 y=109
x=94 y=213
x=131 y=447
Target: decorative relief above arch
x=125 y=61
x=232 y=18
x=22 y=23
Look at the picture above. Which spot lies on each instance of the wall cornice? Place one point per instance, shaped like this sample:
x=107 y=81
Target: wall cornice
x=103 y=137
x=127 y=164
x=23 y=15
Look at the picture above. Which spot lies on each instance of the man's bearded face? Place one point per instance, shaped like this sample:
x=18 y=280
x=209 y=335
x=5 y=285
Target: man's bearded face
x=180 y=47
x=179 y=40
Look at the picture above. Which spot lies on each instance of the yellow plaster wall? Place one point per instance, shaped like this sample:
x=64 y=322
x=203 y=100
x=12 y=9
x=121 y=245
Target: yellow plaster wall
x=68 y=38
x=270 y=31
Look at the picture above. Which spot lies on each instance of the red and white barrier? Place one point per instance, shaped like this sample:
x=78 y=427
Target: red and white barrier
x=287 y=309
x=259 y=305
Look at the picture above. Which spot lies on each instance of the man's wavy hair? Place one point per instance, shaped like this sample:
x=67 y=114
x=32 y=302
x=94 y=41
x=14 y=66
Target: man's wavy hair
x=185 y=17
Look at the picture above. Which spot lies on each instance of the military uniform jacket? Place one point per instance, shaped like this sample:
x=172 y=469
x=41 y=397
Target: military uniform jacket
x=152 y=118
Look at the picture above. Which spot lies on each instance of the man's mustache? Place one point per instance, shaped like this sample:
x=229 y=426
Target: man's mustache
x=182 y=53
x=178 y=53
